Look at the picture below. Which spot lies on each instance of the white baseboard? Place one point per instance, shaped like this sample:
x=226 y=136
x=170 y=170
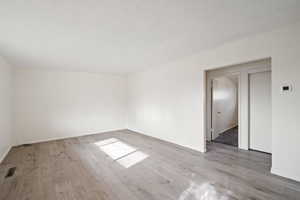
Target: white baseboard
x=5 y=154
x=285 y=175
x=167 y=141
x=67 y=137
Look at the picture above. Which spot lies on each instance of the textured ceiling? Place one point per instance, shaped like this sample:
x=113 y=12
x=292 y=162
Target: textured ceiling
x=117 y=36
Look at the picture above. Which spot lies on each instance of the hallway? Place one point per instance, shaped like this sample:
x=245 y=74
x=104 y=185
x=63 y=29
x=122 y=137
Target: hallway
x=229 y=137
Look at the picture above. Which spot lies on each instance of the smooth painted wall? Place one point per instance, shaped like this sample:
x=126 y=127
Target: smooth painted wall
x=168 y=102
x=5 y=108
x=57 y=104
x=225 y=105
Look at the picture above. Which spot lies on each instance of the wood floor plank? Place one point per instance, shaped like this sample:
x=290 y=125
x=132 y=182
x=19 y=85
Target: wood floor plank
x=136 y=167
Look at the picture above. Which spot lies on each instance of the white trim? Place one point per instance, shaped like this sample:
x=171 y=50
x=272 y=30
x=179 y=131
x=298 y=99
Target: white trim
x=5 y=154
x=260 y=69
x=285 y=175
x=204 y=113
x=168 y=141
x=236 y=68
x=240 y=124
x=68 y=137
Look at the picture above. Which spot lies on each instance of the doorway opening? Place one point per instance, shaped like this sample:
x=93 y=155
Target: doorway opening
x=238 y=106
x=224 y=108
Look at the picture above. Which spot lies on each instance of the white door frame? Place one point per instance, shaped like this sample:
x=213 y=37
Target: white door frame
x=243 y=71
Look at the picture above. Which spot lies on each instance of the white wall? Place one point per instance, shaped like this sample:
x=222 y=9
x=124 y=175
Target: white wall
x=5 y=108
x=57 y=104
x=168 y=102
x=225 y=105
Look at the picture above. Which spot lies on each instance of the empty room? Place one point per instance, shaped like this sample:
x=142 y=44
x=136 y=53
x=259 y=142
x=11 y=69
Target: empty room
x=149 y=100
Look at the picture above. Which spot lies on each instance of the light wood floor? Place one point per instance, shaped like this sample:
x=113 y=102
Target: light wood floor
x=92 y=167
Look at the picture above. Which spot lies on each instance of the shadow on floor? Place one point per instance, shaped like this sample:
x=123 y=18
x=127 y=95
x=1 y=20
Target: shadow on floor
x=229 y=137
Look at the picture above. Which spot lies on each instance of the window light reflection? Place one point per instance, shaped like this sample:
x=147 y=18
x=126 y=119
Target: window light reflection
x=124 y=154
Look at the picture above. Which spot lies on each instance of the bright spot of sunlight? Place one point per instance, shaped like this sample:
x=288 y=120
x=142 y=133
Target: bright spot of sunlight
x=117 y=150
x=132 y=159
x=205 y=191
x=121 y=152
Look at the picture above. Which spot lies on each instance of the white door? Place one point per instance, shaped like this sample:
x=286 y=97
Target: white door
x=260 y=112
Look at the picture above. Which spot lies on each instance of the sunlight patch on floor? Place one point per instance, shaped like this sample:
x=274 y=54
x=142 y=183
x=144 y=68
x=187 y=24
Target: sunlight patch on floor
x=124 y=154
x=117 y=150
x=132 y=159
